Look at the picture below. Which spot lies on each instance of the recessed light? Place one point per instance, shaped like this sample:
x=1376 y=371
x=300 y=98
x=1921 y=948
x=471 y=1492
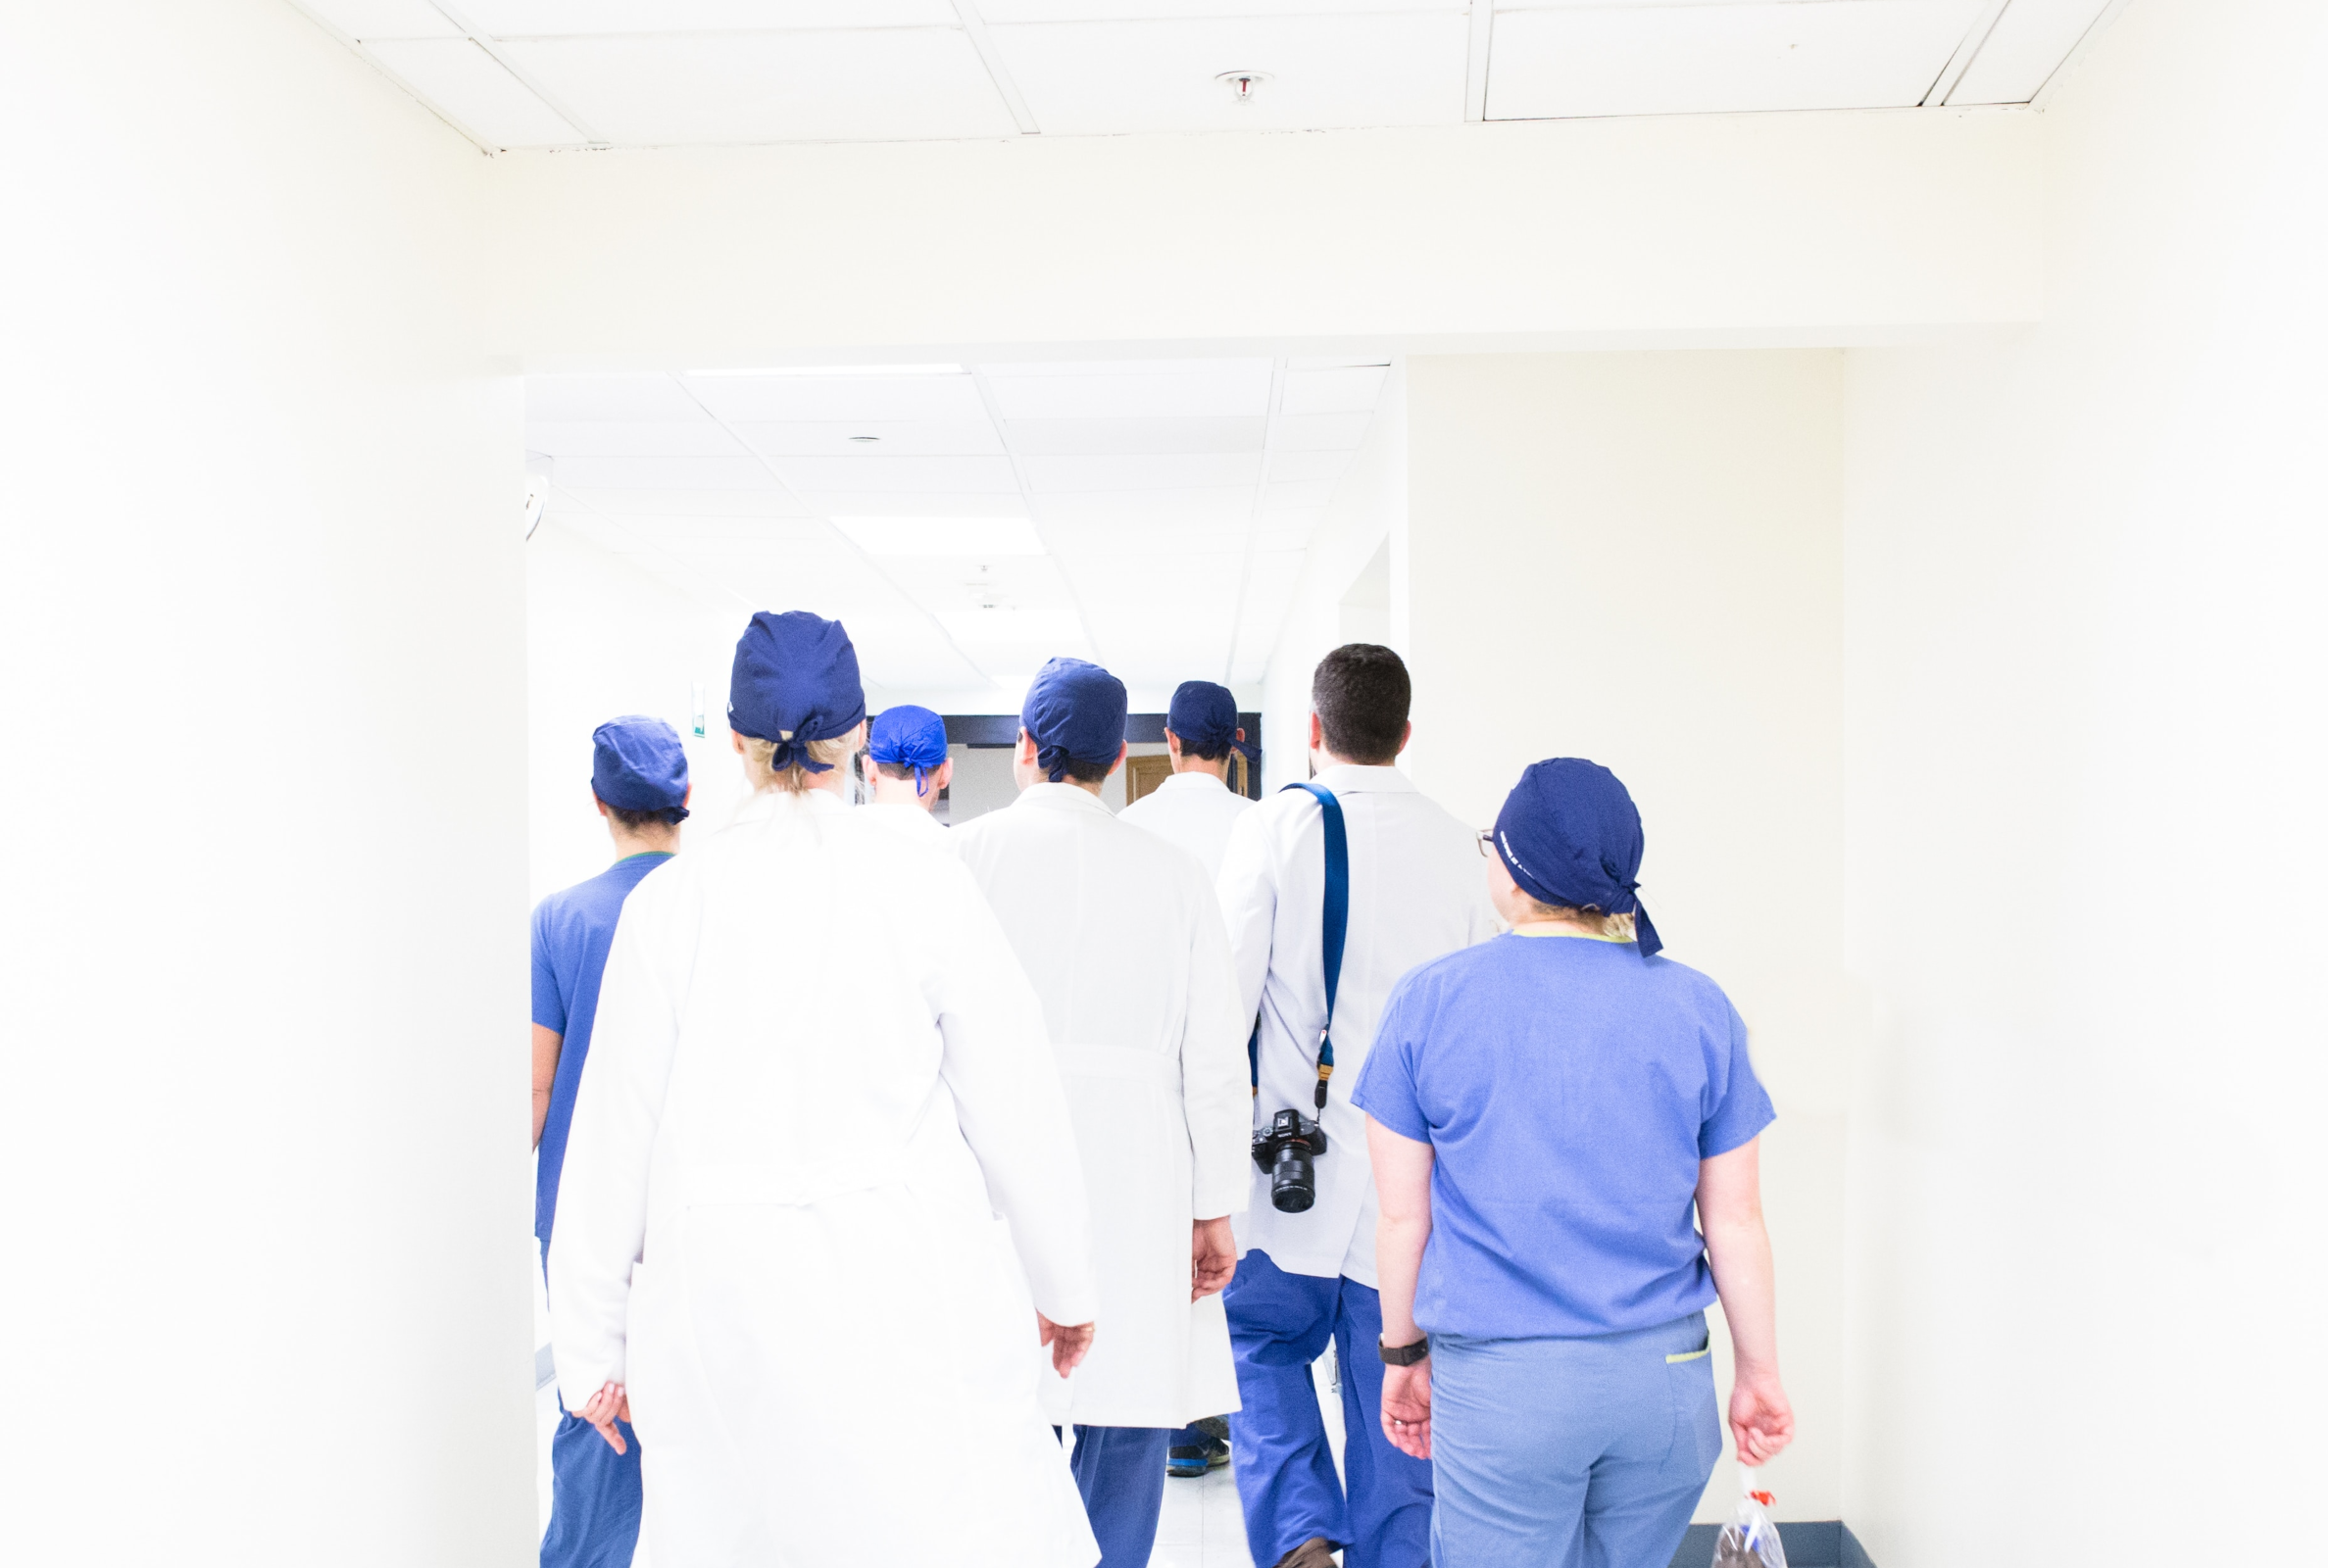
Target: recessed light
x=971 y=538
x=841 y=369
x=864 y=440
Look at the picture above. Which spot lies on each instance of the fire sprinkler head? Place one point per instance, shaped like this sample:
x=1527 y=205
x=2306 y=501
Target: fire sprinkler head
x=1242 y=84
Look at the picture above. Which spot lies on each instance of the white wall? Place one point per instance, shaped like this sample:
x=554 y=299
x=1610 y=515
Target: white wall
x=1770 y=224
x=605 y=638
x=1366 y=520
x=1637 y=558
x=2086 y=656
x=263 y=1082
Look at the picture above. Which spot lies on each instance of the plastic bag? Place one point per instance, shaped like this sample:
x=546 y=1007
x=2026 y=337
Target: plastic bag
x=1749 y=1539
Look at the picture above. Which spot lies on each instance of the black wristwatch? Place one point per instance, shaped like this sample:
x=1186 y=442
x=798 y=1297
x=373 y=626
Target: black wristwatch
x=1405 y=1355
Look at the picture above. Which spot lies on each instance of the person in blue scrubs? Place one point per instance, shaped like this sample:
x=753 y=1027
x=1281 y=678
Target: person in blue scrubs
x=1544 y=1111
x=639 y=775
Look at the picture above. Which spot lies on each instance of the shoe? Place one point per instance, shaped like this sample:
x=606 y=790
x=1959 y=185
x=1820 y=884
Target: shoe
x=1315 y=1552
x=1188 y=1465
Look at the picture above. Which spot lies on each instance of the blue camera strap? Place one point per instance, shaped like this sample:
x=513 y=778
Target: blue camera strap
x=1337 y=928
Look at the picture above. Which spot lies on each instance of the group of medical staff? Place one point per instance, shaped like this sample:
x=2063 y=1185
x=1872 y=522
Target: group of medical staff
x=898 y=1189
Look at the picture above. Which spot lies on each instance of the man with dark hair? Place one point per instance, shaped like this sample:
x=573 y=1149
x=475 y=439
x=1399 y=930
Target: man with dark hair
x=638 y=776
x=1414 y=889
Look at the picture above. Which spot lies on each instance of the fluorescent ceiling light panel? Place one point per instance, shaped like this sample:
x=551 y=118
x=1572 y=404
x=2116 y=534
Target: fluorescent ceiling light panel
x=942 y=536
x=843 y=369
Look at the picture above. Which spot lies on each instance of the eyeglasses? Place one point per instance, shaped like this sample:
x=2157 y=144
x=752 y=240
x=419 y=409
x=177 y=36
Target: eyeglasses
x=1487 y=843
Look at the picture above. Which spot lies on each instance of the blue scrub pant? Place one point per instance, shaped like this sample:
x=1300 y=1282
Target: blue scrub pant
x=1278 y=1323
x=1570 y=1453
x=1121 y=1472
x=594 y=1493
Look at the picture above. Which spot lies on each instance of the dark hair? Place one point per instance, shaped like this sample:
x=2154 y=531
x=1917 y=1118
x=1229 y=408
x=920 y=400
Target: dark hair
x=1083 y=772
x=1189 y=748
x=902 y=770
x=633 y=821
x=1359 y=695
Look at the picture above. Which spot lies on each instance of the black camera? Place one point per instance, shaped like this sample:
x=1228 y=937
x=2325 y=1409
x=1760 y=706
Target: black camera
x=1288 y=1151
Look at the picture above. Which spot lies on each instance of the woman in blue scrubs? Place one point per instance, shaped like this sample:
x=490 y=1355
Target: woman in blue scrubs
x=1544 y=1110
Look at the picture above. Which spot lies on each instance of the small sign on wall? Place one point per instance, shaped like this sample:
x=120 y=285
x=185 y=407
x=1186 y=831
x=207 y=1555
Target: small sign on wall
x=695 y=707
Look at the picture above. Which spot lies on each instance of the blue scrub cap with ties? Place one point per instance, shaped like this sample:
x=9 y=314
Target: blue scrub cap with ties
x=1203 y=715
x=795 y=681
x=1075 y=710
x=912 y=737
x=637 y=765
x=1570 y=837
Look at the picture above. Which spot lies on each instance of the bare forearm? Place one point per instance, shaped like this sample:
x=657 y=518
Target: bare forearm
x=1397 y=1262
x=541 y=1115
x=1744 y=1277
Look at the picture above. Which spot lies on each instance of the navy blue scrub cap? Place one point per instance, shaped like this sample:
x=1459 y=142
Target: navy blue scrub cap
x=795 y=681
x=1570 y=837
x=1075 y=710
x=1203 y=715
x=637 y=765
x=909 y=737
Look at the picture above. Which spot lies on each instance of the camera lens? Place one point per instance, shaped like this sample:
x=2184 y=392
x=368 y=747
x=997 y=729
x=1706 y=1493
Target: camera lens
x=1293 y=1180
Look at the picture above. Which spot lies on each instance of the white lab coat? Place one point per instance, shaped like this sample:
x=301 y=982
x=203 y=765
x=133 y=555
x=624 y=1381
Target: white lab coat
x=912 y=821
x=1121 y=935
x=1194 y=810
x=778 y=1218
x=1417 y=889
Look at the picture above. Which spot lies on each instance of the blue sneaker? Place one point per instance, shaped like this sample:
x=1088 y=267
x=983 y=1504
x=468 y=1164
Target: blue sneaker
x=1194 y=1464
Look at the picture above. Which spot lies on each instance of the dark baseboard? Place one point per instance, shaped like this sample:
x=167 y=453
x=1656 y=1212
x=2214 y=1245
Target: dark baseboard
x=1810 y=1544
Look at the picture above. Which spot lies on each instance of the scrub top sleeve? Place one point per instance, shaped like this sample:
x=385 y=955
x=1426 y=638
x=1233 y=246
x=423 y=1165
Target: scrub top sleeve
x=1743 y=1108
x=549 y=1003
x=1386 y=1089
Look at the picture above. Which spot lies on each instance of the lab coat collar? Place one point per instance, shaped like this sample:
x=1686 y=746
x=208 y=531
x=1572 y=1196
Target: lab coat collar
x=1061 y=797
x=765 y=804
x=1350 y=778
x=1190 y=781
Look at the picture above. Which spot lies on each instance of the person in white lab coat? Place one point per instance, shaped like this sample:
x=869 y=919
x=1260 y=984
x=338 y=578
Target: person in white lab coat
x=778 y=1247
x=1195 y=807
x=1306 y=1277
x=908 y=767
x=1121 y=934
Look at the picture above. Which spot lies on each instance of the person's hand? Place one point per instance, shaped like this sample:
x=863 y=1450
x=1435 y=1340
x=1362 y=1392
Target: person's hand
x=1407 y=1407
x=1760 y=1420
x=1070 y=1344
x=1214 y=1255
x=607 y=1406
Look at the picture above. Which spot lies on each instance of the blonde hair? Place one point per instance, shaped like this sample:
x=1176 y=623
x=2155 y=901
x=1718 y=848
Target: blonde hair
x=759 y=763
x=1616 y=927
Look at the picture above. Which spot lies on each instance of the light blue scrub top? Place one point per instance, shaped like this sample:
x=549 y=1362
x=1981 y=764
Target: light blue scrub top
x=1569 y=1088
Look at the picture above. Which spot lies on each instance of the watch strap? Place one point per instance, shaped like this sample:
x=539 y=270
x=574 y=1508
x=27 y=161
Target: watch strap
x=1405 y=1355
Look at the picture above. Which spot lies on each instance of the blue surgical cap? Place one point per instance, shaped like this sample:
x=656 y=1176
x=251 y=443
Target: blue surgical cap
x=909 y=737
x=1075 y=710
x=1204 y=716
x=1570 y=837
x=795 y=681
x=638 y=765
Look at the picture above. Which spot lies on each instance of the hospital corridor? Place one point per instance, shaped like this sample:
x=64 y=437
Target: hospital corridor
x=1164 y=783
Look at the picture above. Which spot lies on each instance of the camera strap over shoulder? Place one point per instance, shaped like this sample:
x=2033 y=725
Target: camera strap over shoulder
x=1336 y=922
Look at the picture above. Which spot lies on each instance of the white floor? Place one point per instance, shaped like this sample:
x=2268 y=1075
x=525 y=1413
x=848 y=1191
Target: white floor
x=1203 y=1526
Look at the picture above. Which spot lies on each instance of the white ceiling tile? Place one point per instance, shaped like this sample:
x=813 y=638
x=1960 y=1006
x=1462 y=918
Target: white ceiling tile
x=1190 y=390
x=669 y=503
x=1298 y=466
x=1097 y=437
x=471 y=86
x=1402 y=67
x=665 y=473
x=739 y=536
x=1352 y=389
x=1302 y=493
x=367 y=19
x=1695 y=59
x=2028 y=45
x=932 y=504
x=1319 y=432
x=1289 y=528
x=1196 y=10
x=507 y=19
x=1197 y=583
x=1077 y=541
x=900 y=84
x=891 y=438
x=832 y=399
x=870 y=474
x=630 y=438
x=555 y=399
x=1151 y=471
